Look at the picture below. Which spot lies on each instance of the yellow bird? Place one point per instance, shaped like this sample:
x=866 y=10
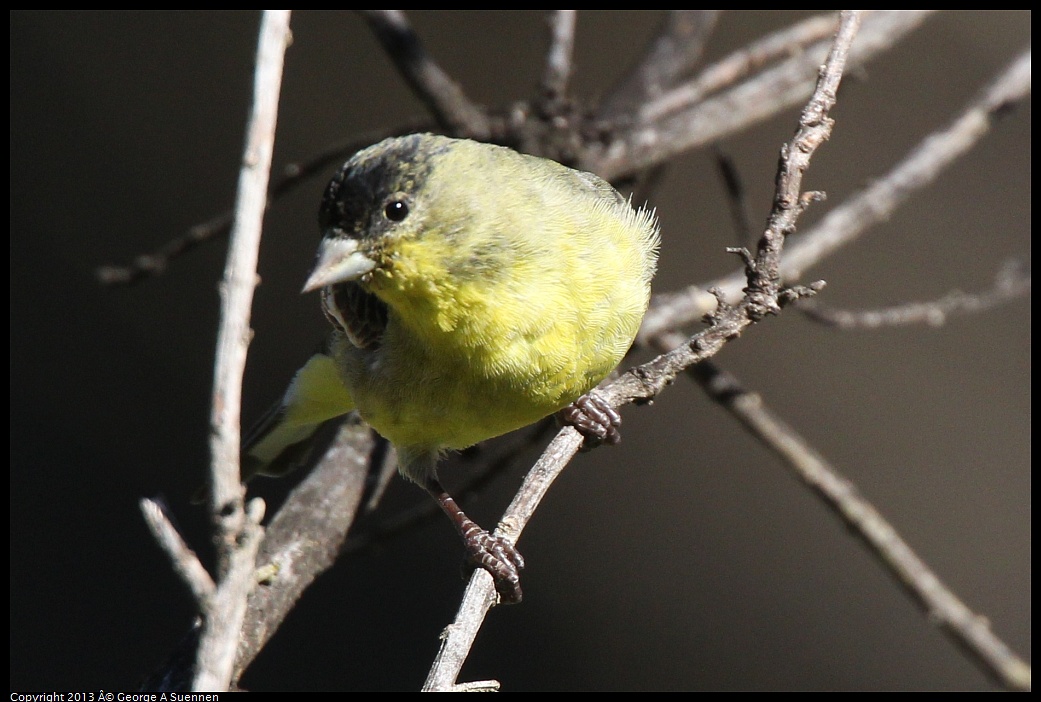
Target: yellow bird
x=472 y=290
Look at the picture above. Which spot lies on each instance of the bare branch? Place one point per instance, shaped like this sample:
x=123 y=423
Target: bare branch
x=789 y=202
x=751 y=102
x=222 y=620
x=305 y=537
x=677 y=45
x=1011 y=283
x=968 y=629
x=297 y=561
x=482 y=126
x=739 y=211
x=309 y=532
x=185 y=563
x=238 y=525
x=921 y=167
x=787 y=42
x=648 y=380
x=442 y=95
x=559 y=56
x=863 y=210
x=480 y=596
x=155 y=263
x=428 y=510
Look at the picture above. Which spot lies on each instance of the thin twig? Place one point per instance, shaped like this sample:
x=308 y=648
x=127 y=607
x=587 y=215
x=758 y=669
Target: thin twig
x=442 y=95
x=1011 y=283
x=479 y=596
x=155 y=262
x=859 y=213
x=238 y=528
x=301 y=542
x=740 y=64
x=295 y=174
x=255 y=612
x=305 y=537
x=970 y=630
x=921 y=167
x=789 y=200
x=559 y=65
x=426 y=510
x=309 y=533
x=184 y=560
x=671 y=56
x=736 y=198
x=755 y=100
x=648 y=380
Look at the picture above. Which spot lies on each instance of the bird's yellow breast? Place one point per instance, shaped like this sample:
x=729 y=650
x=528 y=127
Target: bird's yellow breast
x=503 y=317
x=512 y=286
x=472 y=290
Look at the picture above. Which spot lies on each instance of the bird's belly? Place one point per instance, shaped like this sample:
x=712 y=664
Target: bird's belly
x=451 y=398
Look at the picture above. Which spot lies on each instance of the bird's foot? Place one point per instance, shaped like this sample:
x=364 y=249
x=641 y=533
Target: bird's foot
x=594 y=419
x=498 y=556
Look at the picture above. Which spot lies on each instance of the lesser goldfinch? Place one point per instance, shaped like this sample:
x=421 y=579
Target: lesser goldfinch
x=472 y=290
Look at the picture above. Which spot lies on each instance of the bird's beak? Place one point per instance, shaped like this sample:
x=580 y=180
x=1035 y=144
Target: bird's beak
x=339 y=261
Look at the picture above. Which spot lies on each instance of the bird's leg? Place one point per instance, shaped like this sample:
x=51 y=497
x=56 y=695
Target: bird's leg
x=594 y=419
x=496 y=554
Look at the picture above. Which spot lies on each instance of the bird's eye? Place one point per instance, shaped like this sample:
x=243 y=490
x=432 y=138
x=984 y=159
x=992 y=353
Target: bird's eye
x=396 y=210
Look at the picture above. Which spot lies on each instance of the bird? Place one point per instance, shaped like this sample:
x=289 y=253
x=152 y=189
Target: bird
x=471 y=290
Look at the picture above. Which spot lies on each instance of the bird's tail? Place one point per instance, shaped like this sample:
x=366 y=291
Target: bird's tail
x=279 y=442
x=283 y=438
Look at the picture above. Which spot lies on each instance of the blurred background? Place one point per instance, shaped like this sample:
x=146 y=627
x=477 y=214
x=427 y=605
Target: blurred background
x=685 y=558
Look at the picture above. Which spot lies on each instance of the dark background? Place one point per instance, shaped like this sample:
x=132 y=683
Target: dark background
x=686 y=558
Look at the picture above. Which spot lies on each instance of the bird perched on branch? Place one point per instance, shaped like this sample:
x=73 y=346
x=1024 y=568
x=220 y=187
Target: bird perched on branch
x=472 y=290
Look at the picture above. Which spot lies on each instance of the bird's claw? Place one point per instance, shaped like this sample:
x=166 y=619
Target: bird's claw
x=594 y=418
x=498 y=556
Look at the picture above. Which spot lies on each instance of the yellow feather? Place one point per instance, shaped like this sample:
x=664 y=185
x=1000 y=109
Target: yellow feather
x=473 y=290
